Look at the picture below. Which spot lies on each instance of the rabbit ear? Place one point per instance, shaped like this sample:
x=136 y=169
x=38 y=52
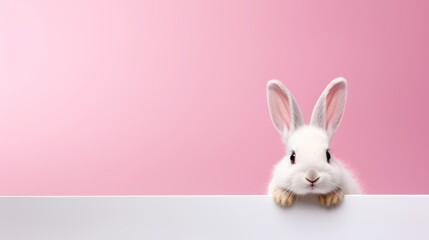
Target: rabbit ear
x=329 y=108
x=284 y=110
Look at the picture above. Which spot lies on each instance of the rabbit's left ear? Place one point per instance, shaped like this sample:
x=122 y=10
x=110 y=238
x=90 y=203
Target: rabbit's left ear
x=328 y=111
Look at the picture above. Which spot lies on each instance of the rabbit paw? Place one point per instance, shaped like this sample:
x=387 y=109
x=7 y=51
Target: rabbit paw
x=331 y=199
x=284 y=197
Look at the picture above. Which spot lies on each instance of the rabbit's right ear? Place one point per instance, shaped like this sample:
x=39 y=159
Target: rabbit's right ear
x=285 y=112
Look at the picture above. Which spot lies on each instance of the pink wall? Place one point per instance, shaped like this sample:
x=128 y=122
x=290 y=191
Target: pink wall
x=162 y=97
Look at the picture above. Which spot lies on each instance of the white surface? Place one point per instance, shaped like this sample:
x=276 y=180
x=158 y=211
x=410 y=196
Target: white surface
x=212 y=217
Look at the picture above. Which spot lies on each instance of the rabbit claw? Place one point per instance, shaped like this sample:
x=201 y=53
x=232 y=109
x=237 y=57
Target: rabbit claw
x=331 y=199
x=284 y=197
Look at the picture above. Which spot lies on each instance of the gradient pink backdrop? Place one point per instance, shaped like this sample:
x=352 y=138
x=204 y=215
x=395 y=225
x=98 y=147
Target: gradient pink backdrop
x=168 y=97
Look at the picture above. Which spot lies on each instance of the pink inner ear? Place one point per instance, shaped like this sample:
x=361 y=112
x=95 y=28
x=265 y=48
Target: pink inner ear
x=281 y=108
x=334 y=105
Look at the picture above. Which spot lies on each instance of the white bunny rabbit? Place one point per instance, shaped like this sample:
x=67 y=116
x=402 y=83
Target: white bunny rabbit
x=309 y=168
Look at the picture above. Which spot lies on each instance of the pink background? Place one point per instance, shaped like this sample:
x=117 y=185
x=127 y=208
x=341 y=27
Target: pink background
x=168 y=97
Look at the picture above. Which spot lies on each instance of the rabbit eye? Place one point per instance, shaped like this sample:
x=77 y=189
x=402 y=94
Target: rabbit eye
x=328 y=156
x=292 y=157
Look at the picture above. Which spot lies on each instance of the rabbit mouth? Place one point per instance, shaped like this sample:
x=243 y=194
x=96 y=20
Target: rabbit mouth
x=312 y=186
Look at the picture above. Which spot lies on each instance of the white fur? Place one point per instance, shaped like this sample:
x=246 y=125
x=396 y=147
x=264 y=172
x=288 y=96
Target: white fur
x=309 y=142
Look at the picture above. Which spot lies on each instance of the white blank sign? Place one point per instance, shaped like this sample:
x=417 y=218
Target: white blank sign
x=212 y=217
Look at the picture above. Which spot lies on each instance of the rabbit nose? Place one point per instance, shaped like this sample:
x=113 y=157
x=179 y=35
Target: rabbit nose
x=312 y=176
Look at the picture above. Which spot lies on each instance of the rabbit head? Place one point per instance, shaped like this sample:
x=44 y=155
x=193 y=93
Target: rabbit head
x=309 y=166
